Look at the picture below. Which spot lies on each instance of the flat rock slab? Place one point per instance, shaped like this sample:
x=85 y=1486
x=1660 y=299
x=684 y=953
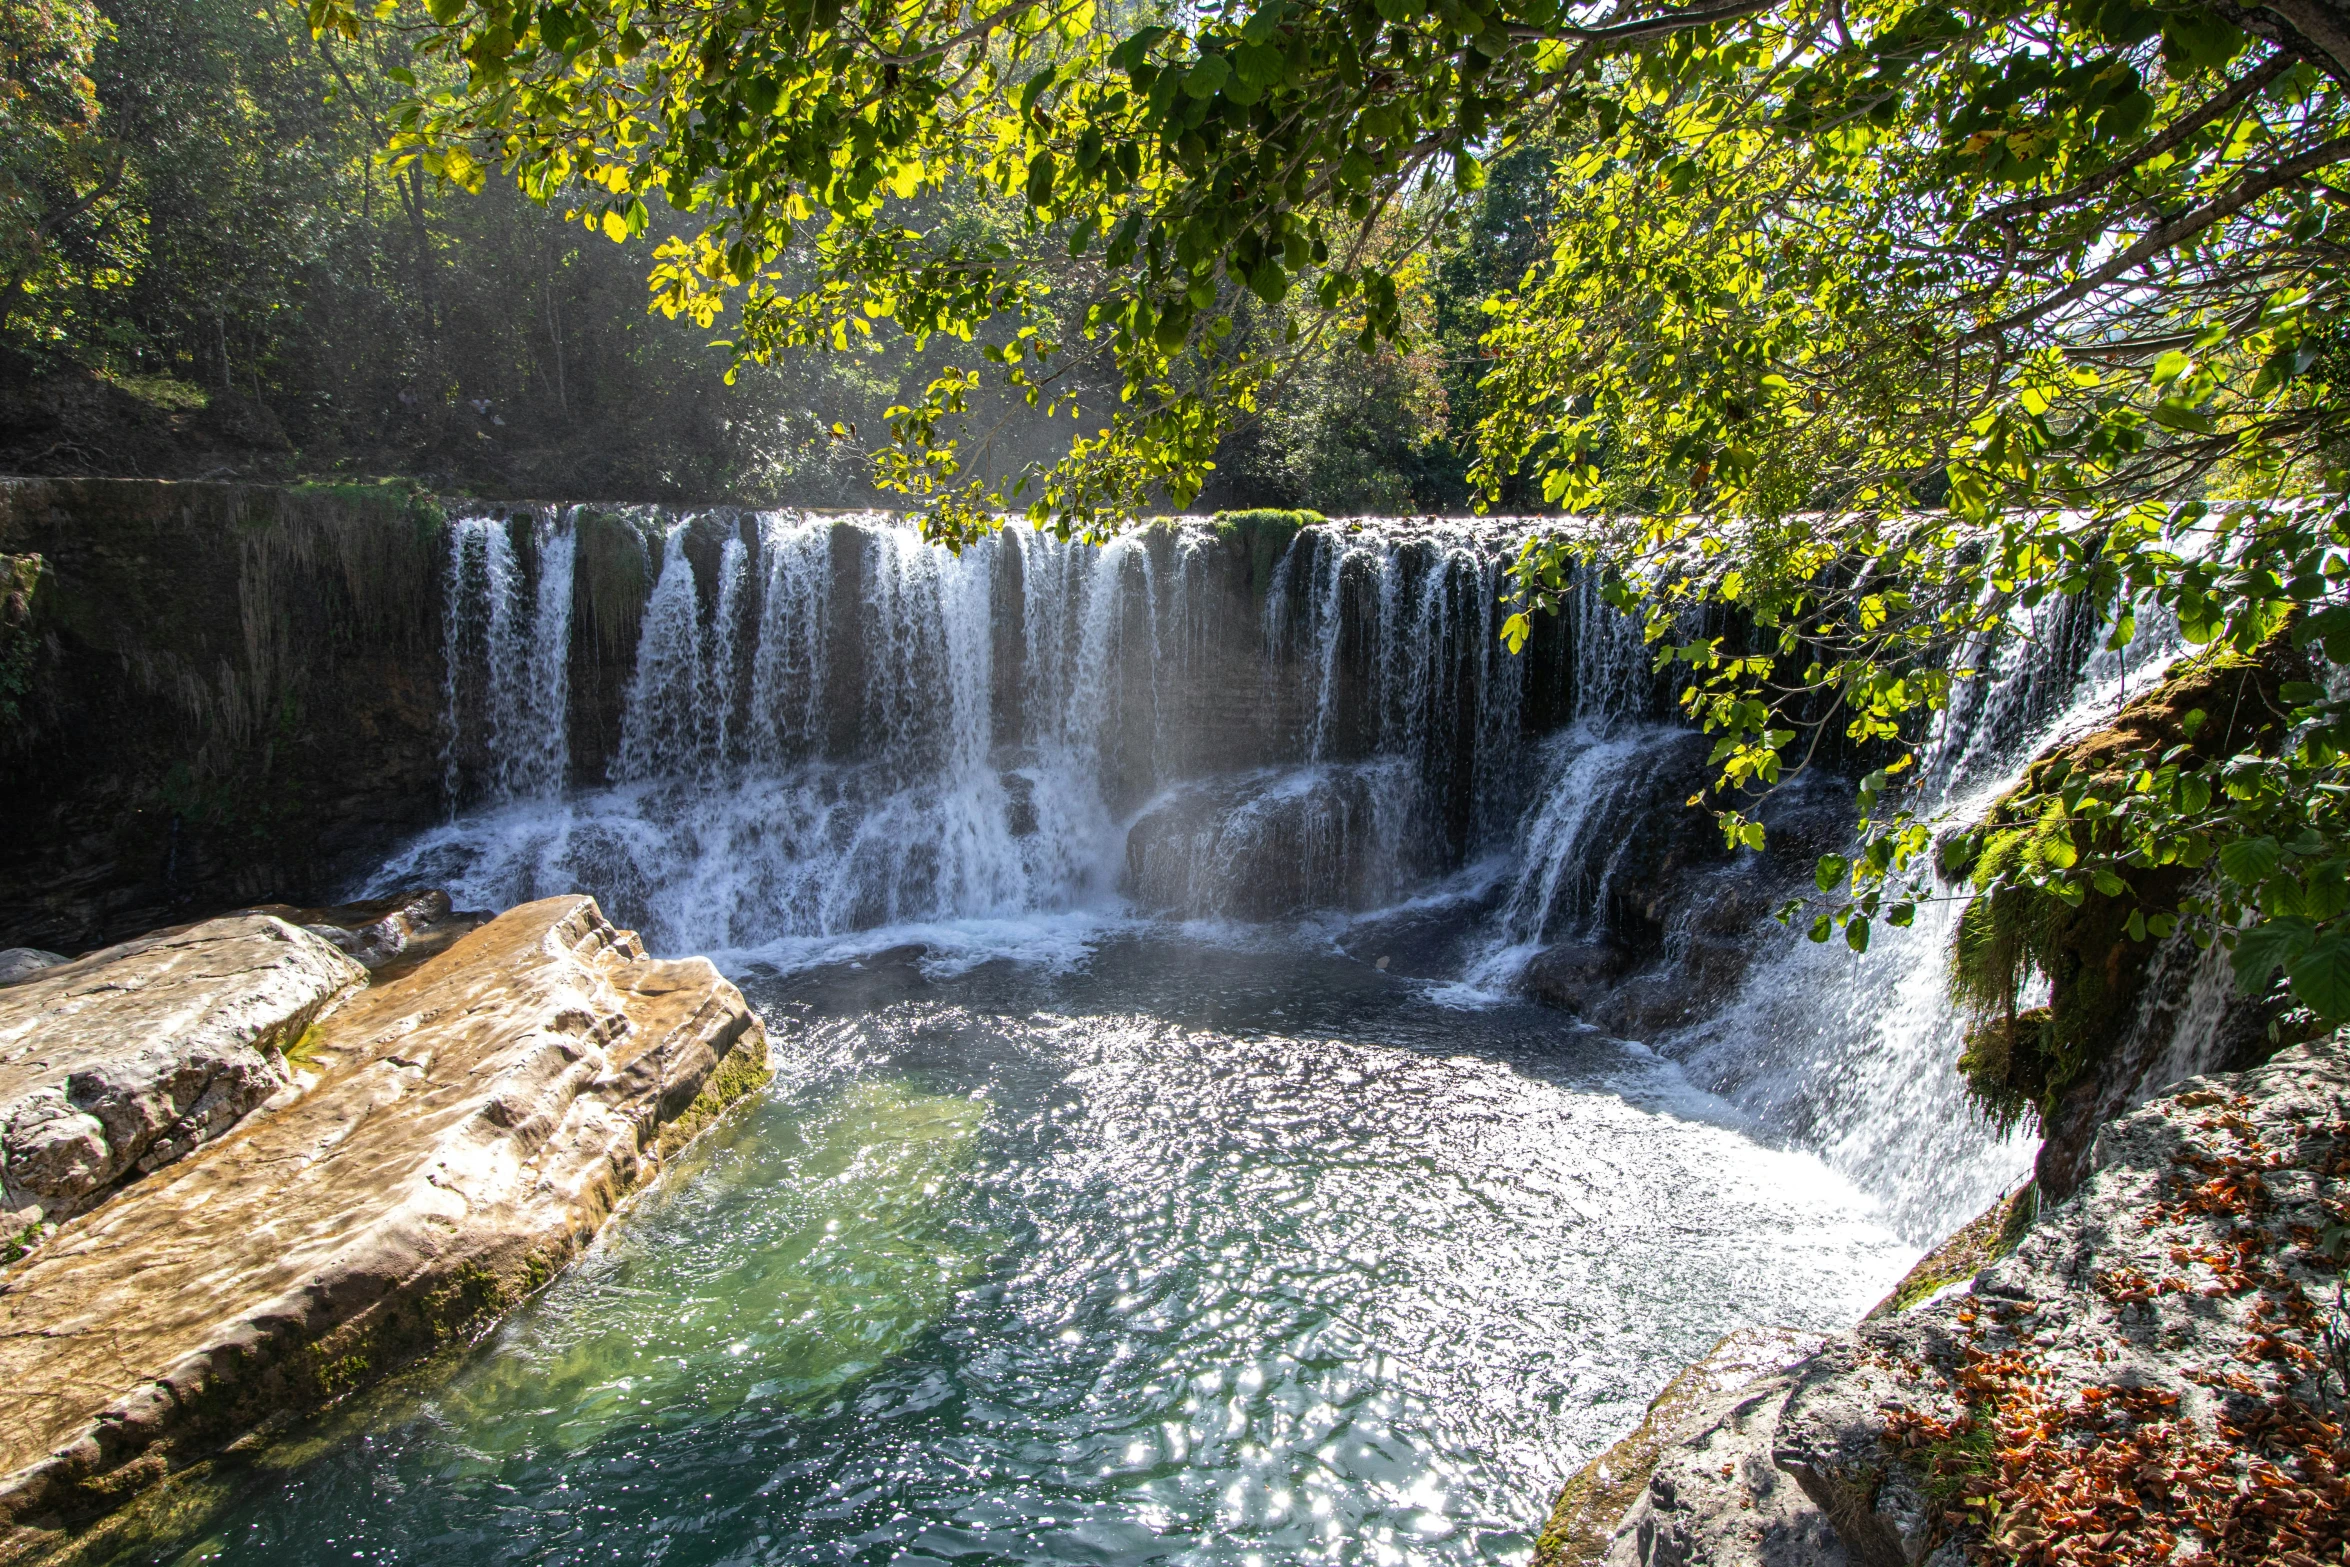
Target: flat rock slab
x=118 y=1063
x=471 y=1125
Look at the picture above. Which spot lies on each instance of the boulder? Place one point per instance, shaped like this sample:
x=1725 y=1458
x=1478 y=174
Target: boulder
x=1274 y=845
x=1574 y=975
x=120 y=1062
x=21 y=963
x=472 y=1125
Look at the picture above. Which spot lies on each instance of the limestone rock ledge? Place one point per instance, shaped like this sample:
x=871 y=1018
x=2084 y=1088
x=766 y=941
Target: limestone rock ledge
x=2155 y=1372
x=471 y=1125
x=1703 y=1419
x=120 y=1062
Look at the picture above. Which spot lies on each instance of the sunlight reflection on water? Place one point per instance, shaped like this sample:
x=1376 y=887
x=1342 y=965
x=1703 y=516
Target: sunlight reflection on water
x=1191 y=1254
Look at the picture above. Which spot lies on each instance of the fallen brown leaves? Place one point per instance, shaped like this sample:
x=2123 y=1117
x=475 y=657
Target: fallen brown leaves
x=2115 y=1475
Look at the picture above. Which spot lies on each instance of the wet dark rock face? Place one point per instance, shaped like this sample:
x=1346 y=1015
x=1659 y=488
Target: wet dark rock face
x=217 y=694
x=1673 y=936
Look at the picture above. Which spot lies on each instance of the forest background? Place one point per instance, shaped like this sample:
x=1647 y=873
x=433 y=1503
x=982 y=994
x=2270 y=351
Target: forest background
x=253 y=294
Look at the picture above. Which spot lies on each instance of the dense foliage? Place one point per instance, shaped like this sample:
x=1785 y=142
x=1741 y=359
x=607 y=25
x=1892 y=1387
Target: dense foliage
x=1883 y=324
x=1878 y=322
x=1972 y=313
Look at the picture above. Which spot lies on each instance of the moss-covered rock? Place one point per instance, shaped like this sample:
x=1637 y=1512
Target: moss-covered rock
x=1974 y=1246
x=2023 y=1064
x=470 y=1126
x=1261 y=537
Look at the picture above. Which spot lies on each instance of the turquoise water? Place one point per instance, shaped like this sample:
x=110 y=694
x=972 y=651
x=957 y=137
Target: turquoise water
x=1186 y=1253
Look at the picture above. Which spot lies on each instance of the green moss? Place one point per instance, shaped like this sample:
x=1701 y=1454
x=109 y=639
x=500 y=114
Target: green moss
x=303 y=1052
x=164 y=392
x=2019 y=1062
x=1983 y=1240
x=20 y=577
x=742 y=1071
x=338 y=1375
x=613 y=566
x=1262 y=536
x=464 y=1302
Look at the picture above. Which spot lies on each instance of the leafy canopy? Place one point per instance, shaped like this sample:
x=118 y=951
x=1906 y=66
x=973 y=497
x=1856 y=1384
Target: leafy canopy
x=1889 y=326
x=1876 y=321
x=62 y=224
x=1195 y=158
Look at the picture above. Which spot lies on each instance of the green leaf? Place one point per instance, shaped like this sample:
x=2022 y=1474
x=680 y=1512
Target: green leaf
x=1258 y=64
x=2250 y=861
x=1208 y=77
x=1856 y=934
x=2179 y=416
x=2266 y=947
x=2320 y=974
x=2197 y=39
x=1830 y=871
x=2330 y=626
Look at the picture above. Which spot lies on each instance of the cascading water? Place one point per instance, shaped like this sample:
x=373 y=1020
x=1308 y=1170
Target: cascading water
x=830 y=727
x=506 y=692
x=1853 y=1054
x=1188 y=1239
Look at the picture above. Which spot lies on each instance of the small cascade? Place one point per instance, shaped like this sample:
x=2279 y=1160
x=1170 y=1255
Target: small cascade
x=788 y=666
x=1594 y=785
x=1854 y=1054
x=506 y=692
x=1612 y=676
x=664 y=725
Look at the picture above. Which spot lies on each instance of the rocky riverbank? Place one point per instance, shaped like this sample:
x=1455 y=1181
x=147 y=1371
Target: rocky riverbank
x=2160 y=1365
x=279 y=1181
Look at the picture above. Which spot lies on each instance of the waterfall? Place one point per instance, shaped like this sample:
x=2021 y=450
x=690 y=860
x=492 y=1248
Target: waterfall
x=1854 y=1054
x=505 y=690
x=828 y=727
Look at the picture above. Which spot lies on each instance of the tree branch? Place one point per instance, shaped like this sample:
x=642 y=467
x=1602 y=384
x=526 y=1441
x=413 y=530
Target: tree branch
x=2168 y=236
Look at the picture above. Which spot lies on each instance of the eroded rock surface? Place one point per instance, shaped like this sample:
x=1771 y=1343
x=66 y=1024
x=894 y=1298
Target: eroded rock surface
x=471 y=1124
x=2147 y=1376
x=22 y=963
x=1649 y=1498
x=120 y=1062
x=386 y=936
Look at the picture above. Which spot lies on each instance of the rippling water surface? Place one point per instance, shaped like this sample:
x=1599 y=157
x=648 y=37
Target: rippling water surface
x=1186 y=1253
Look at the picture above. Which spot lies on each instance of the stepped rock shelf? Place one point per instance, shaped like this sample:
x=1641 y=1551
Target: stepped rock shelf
x=443 y=1141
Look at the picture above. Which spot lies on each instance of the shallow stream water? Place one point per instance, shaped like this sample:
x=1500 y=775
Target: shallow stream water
x=1183 y=1251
